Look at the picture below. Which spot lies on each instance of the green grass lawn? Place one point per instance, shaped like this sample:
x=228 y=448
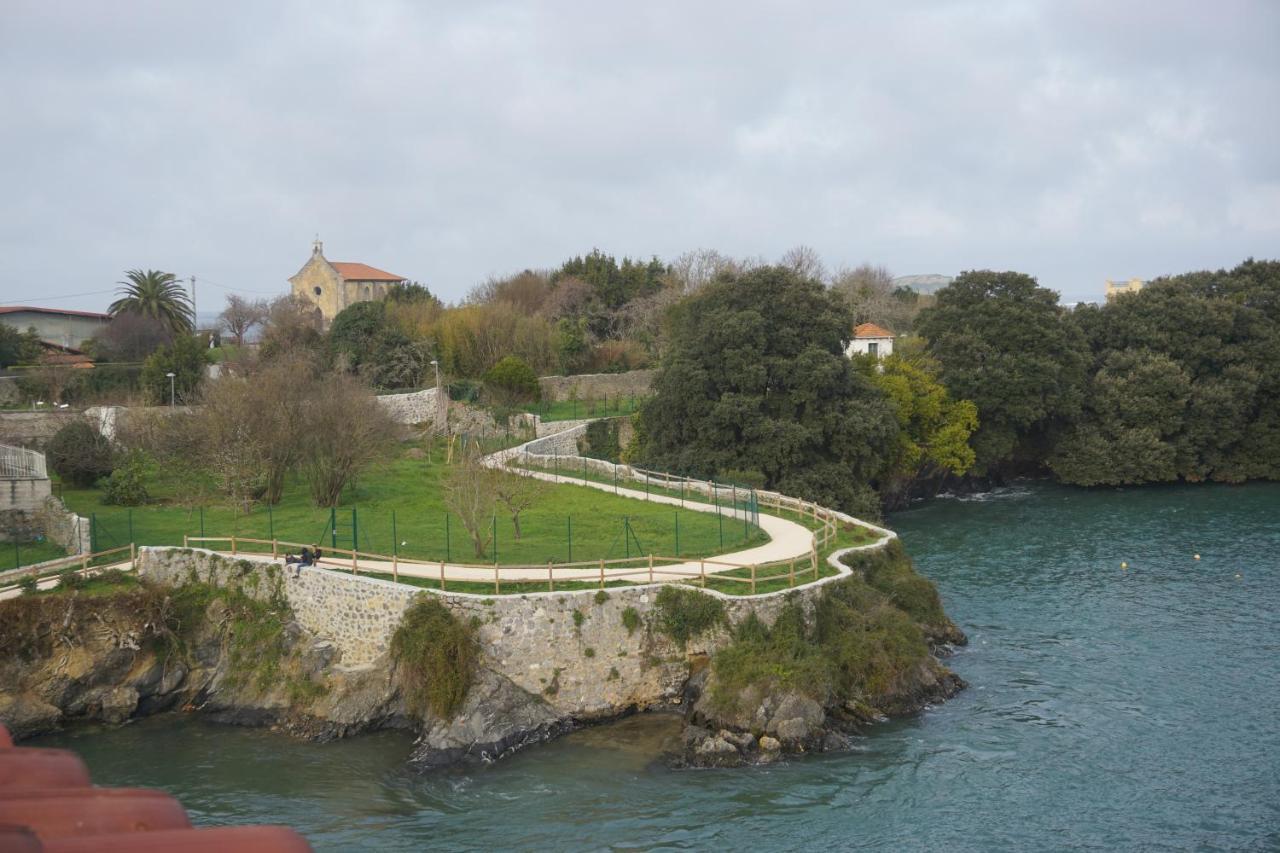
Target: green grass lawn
x=25 y=553
x=572 y=410
x=404 y=496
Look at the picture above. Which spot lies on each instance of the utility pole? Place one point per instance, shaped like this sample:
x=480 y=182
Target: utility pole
x=195 y=318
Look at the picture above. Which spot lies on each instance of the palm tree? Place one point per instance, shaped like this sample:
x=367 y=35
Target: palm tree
x=158 y=295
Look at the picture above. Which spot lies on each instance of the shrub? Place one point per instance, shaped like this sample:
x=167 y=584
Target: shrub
x=125 y=486
x=578 y=618
x=685 y=613
x=79 y=454
x=630 y=620
x=438 y=655
x=511 y=381
x=601 y=596
x=186 y=358
x=28 y=585
x=588 y=652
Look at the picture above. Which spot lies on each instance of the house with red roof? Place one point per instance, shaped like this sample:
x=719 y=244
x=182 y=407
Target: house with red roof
x=870 y=339
x=334 y=285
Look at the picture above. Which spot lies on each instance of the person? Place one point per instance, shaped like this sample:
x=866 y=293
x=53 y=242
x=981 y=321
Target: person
x=307 y=558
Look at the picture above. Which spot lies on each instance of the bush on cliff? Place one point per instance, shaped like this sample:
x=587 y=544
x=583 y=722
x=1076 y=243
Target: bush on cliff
x=889 y=570
x=858 y=647
x=437 y=655
x=685 y=613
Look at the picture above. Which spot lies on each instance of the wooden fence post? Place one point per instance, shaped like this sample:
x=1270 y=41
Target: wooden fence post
x=355 y=568
x=233 y=546
x=497 y=586
x=602 y=573
x=133 y=557
x=275 y=549
x=793 y=571
x=442 y=575
x=702 y=571
x=651 y=568
x=185 y=543
x=395 y=567
x=753 y=578
x=551 y=579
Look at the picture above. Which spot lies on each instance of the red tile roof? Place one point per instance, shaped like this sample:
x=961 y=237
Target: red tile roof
x=871 y=330
x=14 y=309
x=363 y=272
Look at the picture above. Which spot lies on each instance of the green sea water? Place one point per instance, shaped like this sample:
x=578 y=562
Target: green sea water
x=1108 y=709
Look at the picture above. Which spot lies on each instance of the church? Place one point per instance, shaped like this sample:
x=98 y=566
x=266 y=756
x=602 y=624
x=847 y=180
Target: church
x=334 y=285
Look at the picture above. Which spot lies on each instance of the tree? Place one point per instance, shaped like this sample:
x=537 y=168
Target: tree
x=516 y=493
x=344 y=431
x=130 y=337
x=293 y=325
x=158 y=295
x=470 y=493
x=755 y=379
x=241 y=315
x=79 y=454
x=933 y=429
x=1003 y=342
x=18 y=347
x=1185 y=382
x=408 y=292
x=186 y=358
x=511 y=382
x=870 y=293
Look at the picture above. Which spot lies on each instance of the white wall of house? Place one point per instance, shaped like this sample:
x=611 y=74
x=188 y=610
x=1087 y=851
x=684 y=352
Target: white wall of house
x=879 y=347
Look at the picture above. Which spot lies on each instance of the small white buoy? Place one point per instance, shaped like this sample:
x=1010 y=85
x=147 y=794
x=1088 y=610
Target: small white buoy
x=1238 y=575
x=1124 y=565
x=1197 y=556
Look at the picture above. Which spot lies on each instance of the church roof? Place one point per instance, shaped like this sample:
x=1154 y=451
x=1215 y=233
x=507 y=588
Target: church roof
x=871 y=330
x=363 y=272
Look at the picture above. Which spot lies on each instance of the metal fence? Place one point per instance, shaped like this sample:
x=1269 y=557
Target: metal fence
x=18 y=463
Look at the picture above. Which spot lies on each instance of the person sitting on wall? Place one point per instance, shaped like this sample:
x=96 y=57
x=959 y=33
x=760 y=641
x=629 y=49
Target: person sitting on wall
x=307 y=558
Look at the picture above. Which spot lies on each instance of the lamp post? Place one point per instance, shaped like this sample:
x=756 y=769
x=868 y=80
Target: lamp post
x=171 y=375
x=442 y=423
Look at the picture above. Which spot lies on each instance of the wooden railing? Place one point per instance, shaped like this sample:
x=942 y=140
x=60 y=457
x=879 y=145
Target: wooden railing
x=56 y=567
x=633 y=569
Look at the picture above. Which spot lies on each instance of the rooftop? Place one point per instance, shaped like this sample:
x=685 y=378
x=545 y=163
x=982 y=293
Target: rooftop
x=363 y=272
x=16 y=309
x=871 y=330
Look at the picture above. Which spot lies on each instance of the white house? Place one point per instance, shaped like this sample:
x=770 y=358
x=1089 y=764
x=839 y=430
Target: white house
x=870 y=339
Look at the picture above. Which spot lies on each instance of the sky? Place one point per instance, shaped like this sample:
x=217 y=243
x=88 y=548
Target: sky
x=452 y=142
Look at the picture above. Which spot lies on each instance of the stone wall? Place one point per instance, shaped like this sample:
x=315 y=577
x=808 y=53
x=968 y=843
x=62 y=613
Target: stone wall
x=61 y=525
x=562 y=442
x=23 y=495
x=9 y=393
x=415 y=407
x=597 y=386
x=589 y=665
x=33 y=429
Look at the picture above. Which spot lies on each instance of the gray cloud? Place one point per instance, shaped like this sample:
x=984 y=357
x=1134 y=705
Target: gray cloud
x=448 y=142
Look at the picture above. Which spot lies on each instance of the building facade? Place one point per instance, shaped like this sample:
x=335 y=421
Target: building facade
x=334 y=285
x=1115 y=288
x=870 y=339
x=66 y=329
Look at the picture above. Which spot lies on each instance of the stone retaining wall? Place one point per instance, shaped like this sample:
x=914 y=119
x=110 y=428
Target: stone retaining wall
x=589 y=665
x=596 y=386
x=61 y=525
x=415 y=407
x=33 y=429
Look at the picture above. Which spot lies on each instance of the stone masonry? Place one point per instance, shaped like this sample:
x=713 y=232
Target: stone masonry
x=596 y=386
x=586 y=666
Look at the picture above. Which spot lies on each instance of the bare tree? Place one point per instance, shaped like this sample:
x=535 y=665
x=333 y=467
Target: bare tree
x=517 y=493
x=870 y=292
x=241 y=315
x=694 y=270
x=470 y=492
x=343 y=432
x=806 y=261
x=130 y=337
x=292 y=324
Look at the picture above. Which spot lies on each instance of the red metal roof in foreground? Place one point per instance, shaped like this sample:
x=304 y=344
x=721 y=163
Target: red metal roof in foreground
x=871 y=330
x=48 y=806
x=363 y=272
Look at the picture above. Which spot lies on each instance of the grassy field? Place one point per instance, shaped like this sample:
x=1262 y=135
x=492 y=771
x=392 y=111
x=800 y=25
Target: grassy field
x=26 y=553
x=572 y=410
x=399 y=509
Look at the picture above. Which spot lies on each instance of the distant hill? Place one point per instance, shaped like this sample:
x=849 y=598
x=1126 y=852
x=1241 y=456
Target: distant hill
x=922 y=283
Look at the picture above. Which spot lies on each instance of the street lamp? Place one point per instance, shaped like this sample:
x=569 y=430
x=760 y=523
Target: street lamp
x=440 y=403
x=171 y=374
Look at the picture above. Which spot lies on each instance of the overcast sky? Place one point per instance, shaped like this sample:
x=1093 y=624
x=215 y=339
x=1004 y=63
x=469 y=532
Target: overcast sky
x=450 y=142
